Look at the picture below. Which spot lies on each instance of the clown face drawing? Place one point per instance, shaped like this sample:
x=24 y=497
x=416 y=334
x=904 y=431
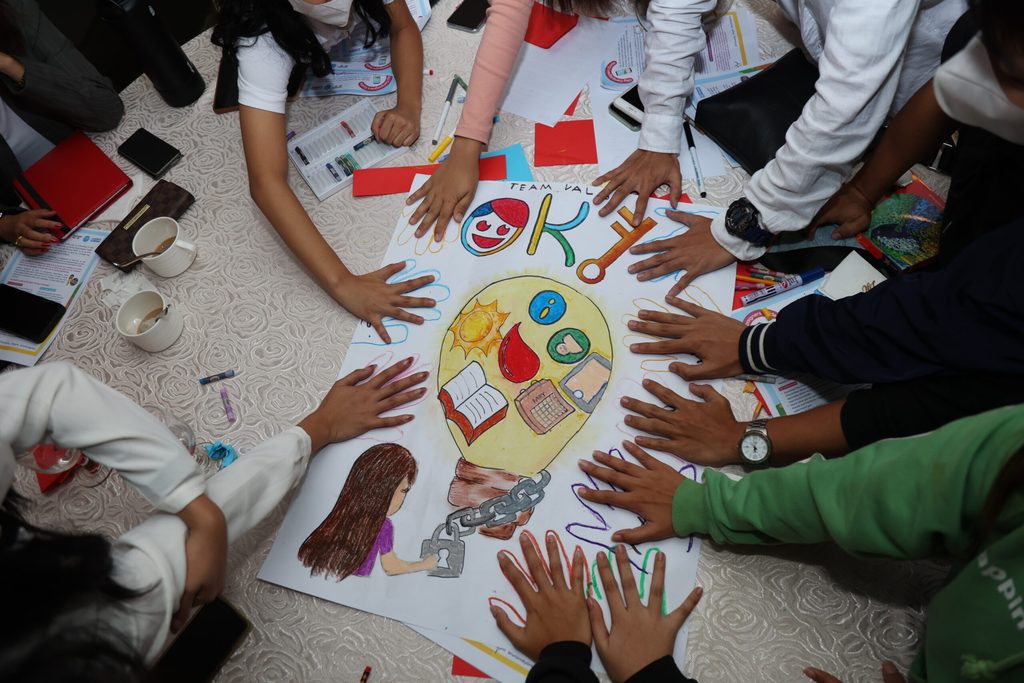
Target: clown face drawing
x=494 y=225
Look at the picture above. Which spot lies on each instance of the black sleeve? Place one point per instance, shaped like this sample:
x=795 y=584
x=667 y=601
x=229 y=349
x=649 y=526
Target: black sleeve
x=662 y=670
x=564 y=662
x=966 y=317
x=886 y=411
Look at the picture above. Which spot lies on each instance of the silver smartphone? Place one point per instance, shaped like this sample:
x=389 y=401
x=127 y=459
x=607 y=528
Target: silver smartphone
x=628 y=109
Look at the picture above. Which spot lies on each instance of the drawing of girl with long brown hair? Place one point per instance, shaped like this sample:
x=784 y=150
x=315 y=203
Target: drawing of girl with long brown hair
x=357 y=530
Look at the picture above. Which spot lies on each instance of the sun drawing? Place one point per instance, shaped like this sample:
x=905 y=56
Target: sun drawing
x=478 y=328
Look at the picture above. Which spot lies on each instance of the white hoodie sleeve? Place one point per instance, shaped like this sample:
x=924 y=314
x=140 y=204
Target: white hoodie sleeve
x=59 y=402
x=859 y=74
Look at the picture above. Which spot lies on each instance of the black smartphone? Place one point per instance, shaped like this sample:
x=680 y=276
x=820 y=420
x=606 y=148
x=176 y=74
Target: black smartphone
x=28 y=316
x=469 y=16
x=628 y=108
x=201 y=649
x=148 y=152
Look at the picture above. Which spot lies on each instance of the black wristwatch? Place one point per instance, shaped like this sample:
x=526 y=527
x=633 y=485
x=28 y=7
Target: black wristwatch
x=743 y=220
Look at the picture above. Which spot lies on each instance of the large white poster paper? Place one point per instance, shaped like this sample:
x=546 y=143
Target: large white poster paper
x=528 y=354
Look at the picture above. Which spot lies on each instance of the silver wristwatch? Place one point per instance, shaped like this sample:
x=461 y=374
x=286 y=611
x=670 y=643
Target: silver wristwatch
x=755 y=447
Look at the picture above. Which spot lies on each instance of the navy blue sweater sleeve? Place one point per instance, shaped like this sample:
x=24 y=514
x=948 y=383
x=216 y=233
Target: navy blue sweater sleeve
x=968 y=316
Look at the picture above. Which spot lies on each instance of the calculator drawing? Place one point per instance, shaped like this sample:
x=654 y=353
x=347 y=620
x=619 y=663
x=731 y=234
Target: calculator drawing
x=542 y=407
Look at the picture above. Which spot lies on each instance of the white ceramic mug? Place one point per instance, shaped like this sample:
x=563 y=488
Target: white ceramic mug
x=139 y=320
x=164 y=233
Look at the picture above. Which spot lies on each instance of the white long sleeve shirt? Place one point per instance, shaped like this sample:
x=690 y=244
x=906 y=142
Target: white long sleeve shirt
x=62 y=403
x=872 y=57
x=674 y=37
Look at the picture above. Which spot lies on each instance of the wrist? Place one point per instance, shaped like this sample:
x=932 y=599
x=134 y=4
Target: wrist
x=868 y=198
x=201 y=513
x=466 y=148
x=413 y=109
x=318 y=430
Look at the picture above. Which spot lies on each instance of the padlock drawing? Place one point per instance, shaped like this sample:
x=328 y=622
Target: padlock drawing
x=456 y=553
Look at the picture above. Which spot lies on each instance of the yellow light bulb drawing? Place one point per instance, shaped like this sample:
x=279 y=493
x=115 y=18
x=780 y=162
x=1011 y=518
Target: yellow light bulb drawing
x=517 y=378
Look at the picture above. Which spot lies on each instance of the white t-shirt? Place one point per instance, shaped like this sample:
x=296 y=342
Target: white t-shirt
x=26 y=143
x=264 y=67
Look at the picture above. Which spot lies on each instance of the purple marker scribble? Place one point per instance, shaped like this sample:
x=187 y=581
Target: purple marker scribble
x=594 y=486
x=687 y=470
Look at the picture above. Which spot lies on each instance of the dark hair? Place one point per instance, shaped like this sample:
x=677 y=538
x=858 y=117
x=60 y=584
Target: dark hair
x=12 y=41
x=344 y=539
x=1002 y=26
x=1009 y=482
x=46 y=575
x=250 y=18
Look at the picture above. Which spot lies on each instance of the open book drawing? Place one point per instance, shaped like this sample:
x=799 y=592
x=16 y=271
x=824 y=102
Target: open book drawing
x=471 y=403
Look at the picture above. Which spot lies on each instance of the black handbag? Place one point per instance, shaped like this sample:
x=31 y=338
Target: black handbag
x=749 y=121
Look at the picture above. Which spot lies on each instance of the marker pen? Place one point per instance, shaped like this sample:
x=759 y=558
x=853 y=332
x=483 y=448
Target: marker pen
x=780 y=287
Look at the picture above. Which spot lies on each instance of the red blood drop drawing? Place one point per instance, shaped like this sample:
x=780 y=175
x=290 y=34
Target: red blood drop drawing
x=517 y=361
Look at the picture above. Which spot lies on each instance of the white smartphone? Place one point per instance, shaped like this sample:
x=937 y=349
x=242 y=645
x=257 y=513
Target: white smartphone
x=628 y=109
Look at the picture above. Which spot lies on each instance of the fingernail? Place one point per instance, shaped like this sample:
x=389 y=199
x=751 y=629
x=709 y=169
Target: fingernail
x=643 y=277
x=634 y=347
x=422 y=391
x=494 y=611
x=836 y=235
x=633 y=323
x=631 y=270
x=617 y=537
x=888 y=668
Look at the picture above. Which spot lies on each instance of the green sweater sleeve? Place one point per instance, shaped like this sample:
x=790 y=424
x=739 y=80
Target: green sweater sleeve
x=904 y=498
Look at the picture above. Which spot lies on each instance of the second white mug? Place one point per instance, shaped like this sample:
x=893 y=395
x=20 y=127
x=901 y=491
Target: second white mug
x=166 y=236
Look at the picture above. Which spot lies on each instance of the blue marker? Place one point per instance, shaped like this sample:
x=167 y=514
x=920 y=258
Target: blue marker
x=780 y=287
x=334 y=173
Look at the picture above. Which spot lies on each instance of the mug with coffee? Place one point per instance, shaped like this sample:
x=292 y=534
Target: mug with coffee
x=148 y=320
x=174 y=252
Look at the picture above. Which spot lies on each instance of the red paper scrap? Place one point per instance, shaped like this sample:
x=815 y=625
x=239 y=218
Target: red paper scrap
x=568 y=142
x=683 y=197
x=369 y=182
x=547 y=25
x=460 y=667
x=572 y=107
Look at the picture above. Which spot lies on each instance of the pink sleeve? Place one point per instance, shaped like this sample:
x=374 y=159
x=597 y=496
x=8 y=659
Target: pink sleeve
x=503 y=36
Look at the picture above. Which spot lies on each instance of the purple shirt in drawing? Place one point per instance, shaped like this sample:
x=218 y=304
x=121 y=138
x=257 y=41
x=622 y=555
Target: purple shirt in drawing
x=382 y=546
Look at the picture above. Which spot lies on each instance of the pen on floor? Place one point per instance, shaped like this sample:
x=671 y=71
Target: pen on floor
x=693 y=157
x=228 y=410
x=439 y=150
x=366 y=674
x=364 y=143
x=746 y=278
x=780 y=287
x=218 y=377
x=444 y=110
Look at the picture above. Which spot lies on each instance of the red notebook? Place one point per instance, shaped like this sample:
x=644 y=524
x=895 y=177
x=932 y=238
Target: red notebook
x=75 y=179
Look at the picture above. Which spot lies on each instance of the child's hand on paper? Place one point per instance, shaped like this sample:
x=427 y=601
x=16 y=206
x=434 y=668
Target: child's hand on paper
x=848 y=209
x=29 y=230
x=448 y=192
x=398 y=127
x=355 y=403
x=640 y=634
x=696 y=251
x=643 y=173
x=712 y=337
x=703 y=432
x=556 y=611
x=646 y=489
x=372 y=298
